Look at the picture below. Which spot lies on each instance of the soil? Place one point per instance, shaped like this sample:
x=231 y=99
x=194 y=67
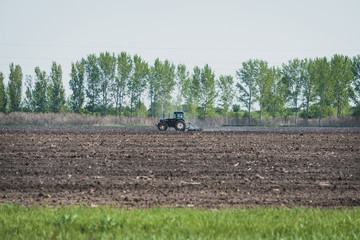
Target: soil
x=214 y=168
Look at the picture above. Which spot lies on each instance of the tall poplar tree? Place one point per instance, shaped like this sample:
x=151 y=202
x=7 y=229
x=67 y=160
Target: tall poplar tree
x=308 y=83
x=76 y=83
x=182 y=83
x=29 y=93
x=207 y=91
x=15 y=87
x=247 y=85
x=356 y=72
x=124 y=69
x=93 y=87
x=137 y=83
x=3 y=97
x=277 y=93
x=40 y=94
x=262 y=83
x=226 y=92
x=56 y=89
x=342 y=76
x=324 y=87
x=107 y=66
x=167 y=84
x=193 y=94
x=154 y=76
x=292 y=73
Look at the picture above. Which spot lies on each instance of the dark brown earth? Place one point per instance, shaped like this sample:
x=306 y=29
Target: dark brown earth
x=141 y=167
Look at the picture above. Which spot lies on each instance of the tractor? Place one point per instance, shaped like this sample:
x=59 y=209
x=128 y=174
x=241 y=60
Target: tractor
x=176 y=122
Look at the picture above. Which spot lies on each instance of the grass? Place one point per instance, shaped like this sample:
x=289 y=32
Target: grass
x=76 y=222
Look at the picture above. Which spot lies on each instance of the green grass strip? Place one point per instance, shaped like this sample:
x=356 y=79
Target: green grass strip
x=76 y=222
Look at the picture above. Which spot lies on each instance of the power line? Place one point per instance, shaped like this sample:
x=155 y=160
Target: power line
x=176 y=48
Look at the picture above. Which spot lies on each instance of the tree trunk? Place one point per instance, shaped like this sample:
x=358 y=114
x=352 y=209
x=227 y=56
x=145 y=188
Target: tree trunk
x=307 y=110
x=249 y=114
x=131 y=108
x=93 y=104
x=162 y=109
x=339 y=106
x=321 y=109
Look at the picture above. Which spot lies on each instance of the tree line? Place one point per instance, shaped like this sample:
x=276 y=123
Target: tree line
x=120 y=85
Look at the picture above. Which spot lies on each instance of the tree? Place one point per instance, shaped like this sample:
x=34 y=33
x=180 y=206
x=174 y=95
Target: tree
x=182 y=83
x=292 y=73
x=262 y=78
x=29 y=93
x=193 y=94
x=3 y=97
x=226 y=93
x=56 y=89
x=324 y=87
x=356 y=93
x=167 y=84
x=40 y=91
x=107 y=66
x=277 y=93
x=76 y=83
x=137 y=83
x=124 y=68
x=207 y=91
x=15 y=87
x=247 y=85
x=154 y=76
x=342 y=76
x=308 y=82
x=93 y=81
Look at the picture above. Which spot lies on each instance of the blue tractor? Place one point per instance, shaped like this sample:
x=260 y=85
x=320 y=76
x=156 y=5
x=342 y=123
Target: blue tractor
x=176 y=122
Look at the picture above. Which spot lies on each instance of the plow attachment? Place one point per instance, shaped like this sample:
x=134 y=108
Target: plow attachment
x=192 y=127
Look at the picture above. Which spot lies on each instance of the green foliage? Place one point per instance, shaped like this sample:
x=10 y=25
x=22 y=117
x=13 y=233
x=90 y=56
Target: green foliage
x=192 y=98
x=324 y=87
x=292 y=76
x=113 y=82
x=3 y=96
x=167 y=84
x=342 y=77
x=182 y=83
x=137 y=83
x=263 y=81
x=40 y=94
x=207 y=92
x=226 y=93
x=356 y=93
x=166 y=223
x=247 y=85
x=76 y=83
x=107 y=67
x=236 y=108
x=15 y=87
x=93 y=89
x=124 y=68
x=155 y=73
x=56 y=89
x=308 y=83
x=29 y=94
x=277 y=93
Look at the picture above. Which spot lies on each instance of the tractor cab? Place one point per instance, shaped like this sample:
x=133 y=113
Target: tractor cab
x=178 y=115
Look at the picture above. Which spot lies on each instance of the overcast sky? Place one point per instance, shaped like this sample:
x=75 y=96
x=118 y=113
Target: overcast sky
x=220 y=33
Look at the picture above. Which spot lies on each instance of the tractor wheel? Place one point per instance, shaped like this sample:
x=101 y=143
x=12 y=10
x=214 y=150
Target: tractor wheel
x=180 y=126
x=162 y=126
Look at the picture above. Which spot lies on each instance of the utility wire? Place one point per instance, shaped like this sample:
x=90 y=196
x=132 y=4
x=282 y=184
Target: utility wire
x=175 y=48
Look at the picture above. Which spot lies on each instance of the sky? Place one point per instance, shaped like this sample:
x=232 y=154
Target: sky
x=222 y=34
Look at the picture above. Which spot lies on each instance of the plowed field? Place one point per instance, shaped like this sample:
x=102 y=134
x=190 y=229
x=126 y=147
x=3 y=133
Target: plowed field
x=141 y=167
